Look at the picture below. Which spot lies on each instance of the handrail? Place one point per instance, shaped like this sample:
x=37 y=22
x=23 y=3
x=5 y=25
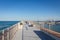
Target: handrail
x=51 y=32
x=41 y=27
x=9 y=31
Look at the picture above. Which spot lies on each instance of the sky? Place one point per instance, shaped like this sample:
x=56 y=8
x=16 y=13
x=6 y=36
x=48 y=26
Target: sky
x=29 y=10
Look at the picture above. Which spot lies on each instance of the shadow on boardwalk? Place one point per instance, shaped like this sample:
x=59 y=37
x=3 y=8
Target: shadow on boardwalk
x=43 y=35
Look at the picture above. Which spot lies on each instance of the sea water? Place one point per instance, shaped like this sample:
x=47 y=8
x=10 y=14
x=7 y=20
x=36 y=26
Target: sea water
x=6 y=24
x=55 y=27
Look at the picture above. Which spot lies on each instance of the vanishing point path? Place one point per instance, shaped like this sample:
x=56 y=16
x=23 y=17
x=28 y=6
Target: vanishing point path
x=30 y=33
x=26 y=33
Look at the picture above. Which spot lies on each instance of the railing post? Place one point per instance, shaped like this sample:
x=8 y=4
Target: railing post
x=3 y=35
x=49 y=26
x=8 y=34
x=43 y=25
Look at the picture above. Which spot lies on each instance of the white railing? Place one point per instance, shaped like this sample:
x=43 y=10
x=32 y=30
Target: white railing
x=8 y=33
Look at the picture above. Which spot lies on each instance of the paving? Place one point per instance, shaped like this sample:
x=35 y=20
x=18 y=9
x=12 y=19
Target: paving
x=26 y=33
x=29 y=34
x=18 y=35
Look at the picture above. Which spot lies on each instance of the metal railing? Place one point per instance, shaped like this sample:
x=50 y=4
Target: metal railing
x=52 y=29
x=8 y=33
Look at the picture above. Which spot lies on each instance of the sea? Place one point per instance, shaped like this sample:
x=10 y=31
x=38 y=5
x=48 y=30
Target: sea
x=55 y=27
x=6 y=24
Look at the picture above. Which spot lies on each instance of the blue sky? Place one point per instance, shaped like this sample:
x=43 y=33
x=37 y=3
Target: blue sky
x=29 y=9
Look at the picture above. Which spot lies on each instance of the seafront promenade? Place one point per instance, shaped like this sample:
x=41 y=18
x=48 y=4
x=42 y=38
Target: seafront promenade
x=31 y=33
x=28 y=31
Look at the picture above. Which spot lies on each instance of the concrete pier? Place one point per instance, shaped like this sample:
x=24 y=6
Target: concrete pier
x=26 y=33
